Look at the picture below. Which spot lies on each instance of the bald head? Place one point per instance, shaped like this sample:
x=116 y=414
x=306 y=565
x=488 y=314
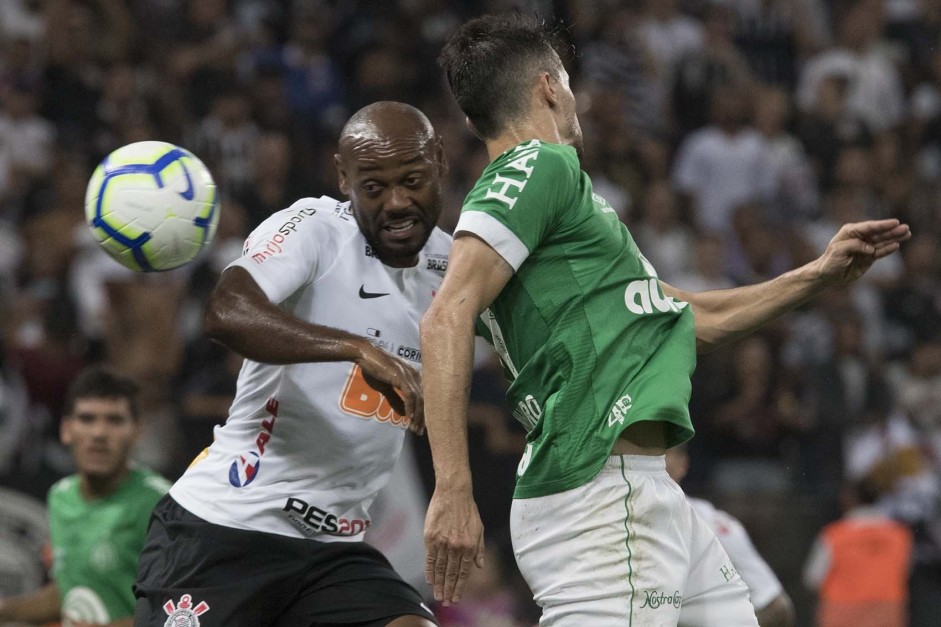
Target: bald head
x=390 y=165
x=385 y=122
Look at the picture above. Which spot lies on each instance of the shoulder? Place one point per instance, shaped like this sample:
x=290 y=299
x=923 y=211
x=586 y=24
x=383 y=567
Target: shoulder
x=438 y=242
x=721 y=522
x=322 y=217
x=62 y=489
x=148 y=484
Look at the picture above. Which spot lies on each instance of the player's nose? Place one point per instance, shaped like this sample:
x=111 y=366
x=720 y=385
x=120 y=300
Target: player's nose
x=399 y=198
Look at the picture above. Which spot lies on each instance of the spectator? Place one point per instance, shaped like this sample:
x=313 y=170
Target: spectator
x=724 y=165
x=875 y=93
x=777 y=35
x=26 y=141
x=796 y=192
x=226 y=140
x=669 y=35
x=699 y=73
x=661 y=235
x=707 y=270
x=617 y=59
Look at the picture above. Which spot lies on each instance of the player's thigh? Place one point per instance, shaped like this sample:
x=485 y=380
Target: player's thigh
x=612 y=552
x=355 y=585
x=715 y=595
x=194 y=573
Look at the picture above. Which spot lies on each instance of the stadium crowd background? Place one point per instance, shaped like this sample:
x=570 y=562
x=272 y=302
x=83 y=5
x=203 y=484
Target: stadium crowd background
x=733 y=137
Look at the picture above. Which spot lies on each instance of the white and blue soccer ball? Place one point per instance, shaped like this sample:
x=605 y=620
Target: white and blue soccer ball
x=153 y=206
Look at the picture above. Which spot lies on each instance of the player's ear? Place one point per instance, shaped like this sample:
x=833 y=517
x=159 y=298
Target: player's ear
x=546 y=88
x=65 y=431
x=441 y=158
x=342 y=179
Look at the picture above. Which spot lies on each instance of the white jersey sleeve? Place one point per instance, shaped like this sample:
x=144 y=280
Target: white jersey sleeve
x=763 y=586
x=285 y=251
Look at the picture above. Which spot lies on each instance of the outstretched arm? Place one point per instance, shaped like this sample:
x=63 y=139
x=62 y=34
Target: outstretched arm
x=726 y=315
x=40 y=607
x=453 y=530
x=241 y=317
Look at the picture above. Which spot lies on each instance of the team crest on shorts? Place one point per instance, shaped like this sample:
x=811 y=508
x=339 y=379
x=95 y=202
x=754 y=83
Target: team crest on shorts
x=184 y=614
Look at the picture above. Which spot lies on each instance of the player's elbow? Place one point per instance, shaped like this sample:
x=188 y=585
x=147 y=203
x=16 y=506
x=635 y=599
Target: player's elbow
x=778 y=613
x=214 y=318
x=220 y=316
x=441 y=320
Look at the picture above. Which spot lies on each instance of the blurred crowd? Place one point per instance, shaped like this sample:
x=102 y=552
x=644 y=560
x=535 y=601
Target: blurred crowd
x=732 y=136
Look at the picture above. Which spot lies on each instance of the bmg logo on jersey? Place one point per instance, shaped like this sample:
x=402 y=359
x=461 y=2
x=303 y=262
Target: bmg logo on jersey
x=244 y=469
x=246 y=466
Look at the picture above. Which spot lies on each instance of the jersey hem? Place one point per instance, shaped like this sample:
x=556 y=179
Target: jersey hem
x=196 y=507
x=682 y=432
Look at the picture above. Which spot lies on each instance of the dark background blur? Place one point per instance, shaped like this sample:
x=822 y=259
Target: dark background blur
x=733 y=137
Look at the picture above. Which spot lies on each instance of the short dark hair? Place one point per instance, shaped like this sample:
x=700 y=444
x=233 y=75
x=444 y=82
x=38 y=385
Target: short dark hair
x=101 y=382
x=489 y=61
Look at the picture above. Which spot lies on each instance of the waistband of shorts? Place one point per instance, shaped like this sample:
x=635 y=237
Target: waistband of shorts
x=635 y=463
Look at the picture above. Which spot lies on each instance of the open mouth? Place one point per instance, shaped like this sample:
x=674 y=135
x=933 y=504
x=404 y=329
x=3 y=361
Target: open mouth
x=401 y=229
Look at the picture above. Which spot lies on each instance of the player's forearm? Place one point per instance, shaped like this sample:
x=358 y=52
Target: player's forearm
x=43 y=606
x=447 y=338
x=240 y=316
x=723 y=316
x=778 y=613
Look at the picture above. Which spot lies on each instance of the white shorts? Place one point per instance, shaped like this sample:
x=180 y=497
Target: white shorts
x=626 y=549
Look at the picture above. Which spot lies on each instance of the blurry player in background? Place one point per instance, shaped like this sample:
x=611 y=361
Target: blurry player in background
x=266 y=526
x=600 y=354
x=97 y=517
x=859 y=565
x=773 y=607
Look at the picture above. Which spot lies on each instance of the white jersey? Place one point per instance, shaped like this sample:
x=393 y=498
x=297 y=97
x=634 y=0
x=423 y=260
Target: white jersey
x=307 y=446
x=763 y=586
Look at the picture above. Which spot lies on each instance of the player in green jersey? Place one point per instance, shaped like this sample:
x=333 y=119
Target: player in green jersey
x=599 y=353
x=97 y=517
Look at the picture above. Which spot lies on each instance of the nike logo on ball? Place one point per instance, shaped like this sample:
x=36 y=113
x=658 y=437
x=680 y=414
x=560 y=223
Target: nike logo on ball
x=364 y=294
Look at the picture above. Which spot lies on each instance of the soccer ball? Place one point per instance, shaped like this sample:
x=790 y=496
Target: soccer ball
x=152 y=206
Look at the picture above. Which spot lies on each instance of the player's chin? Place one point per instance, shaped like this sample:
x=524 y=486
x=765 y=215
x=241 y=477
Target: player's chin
x=401 y=244
x=100 y=469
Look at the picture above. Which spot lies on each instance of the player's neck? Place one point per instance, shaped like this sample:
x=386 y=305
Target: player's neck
x=543 y=128
x=94 y=488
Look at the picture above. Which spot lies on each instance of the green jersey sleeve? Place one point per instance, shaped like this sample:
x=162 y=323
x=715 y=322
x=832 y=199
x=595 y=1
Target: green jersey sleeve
x=520 y=198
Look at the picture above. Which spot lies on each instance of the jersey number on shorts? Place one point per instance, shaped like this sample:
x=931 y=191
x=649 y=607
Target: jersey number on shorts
x=359 y=399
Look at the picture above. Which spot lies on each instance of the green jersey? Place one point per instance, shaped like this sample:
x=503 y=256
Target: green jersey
x=96 y=544
x=587 y=338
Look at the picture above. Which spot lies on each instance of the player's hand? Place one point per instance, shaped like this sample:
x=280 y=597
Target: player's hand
x=856 y=246
x=454 y=538
x=397 y=381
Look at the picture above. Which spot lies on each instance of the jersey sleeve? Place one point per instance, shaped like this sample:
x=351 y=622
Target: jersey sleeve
x=763 y=586
x=516 y=205
x=284 y=252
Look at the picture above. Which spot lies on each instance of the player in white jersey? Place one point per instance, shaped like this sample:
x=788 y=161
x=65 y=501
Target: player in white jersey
x=773 y=607
x=266 y=526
